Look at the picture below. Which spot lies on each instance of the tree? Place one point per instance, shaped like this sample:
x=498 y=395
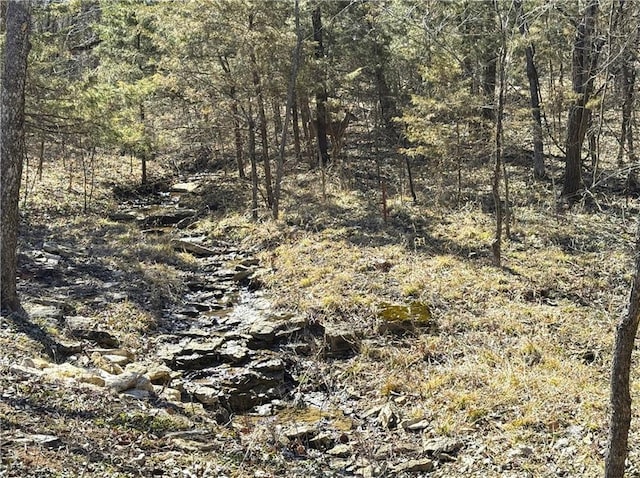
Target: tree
x=321 y=91
x=620 y=370
x=128 y=53
x=586 y=49
x=534 y=93
x=12 y=141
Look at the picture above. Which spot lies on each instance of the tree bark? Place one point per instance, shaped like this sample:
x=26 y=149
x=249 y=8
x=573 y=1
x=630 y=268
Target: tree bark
x=497 y=242
x=296 y=129
x=266 y=161
x=534 y=93
x=585 y=58
x=12 y=142
x=291 y=90
x=321 y=92
x=620 y=419
x=237 y=134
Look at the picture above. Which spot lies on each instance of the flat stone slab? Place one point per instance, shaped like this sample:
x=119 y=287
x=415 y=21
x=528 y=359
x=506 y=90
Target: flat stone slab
x=192 y=247
x=185 y=187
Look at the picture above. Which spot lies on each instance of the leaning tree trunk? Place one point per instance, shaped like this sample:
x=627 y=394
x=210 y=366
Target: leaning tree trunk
x=620 y=370
x=12 y=142
x=585 y=58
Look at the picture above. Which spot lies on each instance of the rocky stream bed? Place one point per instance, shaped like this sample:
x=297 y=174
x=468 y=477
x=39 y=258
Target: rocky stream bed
x=224 y=349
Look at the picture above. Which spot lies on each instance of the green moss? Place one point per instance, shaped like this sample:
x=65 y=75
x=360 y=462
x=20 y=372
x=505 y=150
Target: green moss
x=416 y=312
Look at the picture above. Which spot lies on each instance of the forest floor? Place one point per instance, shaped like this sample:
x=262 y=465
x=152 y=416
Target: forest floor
x=493 y=371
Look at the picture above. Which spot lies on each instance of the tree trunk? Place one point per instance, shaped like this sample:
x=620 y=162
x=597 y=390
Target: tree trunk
x=291 y=89
x=144 y=150
x=268 y=182
x=12 y=142
x=497 y=243
x=254 y=166
x=296 y=129
x=386 y=100
x=489 y=65
x=237 y=134
x=321 y=92
x=305 y=114
x=277 y=122
x=585 y=57
x=620 y=370
x=534 y=93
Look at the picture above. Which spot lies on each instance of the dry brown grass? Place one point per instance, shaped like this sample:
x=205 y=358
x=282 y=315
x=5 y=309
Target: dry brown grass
x=520 y=355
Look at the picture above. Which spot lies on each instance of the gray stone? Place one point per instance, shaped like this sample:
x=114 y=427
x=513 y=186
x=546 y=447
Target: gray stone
x=85 y=328
x=340 y=340
x=415 y=424
x=159 y=374
x=123 y=216
x=388 y=416
x=415 y=466
x=301 y=431
x=207 y=395
x=127 y=381
x=340 y=451
x=37 y=311
x=437 y=446
x=161 y=216
x=192 y=247
x=322 y=441
x=185 y=187
x=234 y=352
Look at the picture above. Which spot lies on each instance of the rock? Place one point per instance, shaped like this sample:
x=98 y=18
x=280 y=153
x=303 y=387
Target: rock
x=25 y=370
x=192 y=247
x=322 y=441
x=195 y=354
x=159 y=374
x=161 y=216
x=234 y=352
x=49 y=441
x=521 y=451
x=68 y=371
x=416 y=424
x=375 y=410
x=40 y=312
x=340 y=341
x=249 y=262
x=127 y=381
x=120 y=352
x=388 y=416
x=265 y=329
x=106 y=365
x=415 y=466
x=120 y=360
x=84 y=328
x=340 y=451
x=267 y=364
x=241 y=388
x=59 y=249
x=301 y=431
x=36 y=363
x=138 y=394
x=185 y=187
x=437 y=446
x=123 y=216
x=401 y=319
x=207 y=395
x=168 y=394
